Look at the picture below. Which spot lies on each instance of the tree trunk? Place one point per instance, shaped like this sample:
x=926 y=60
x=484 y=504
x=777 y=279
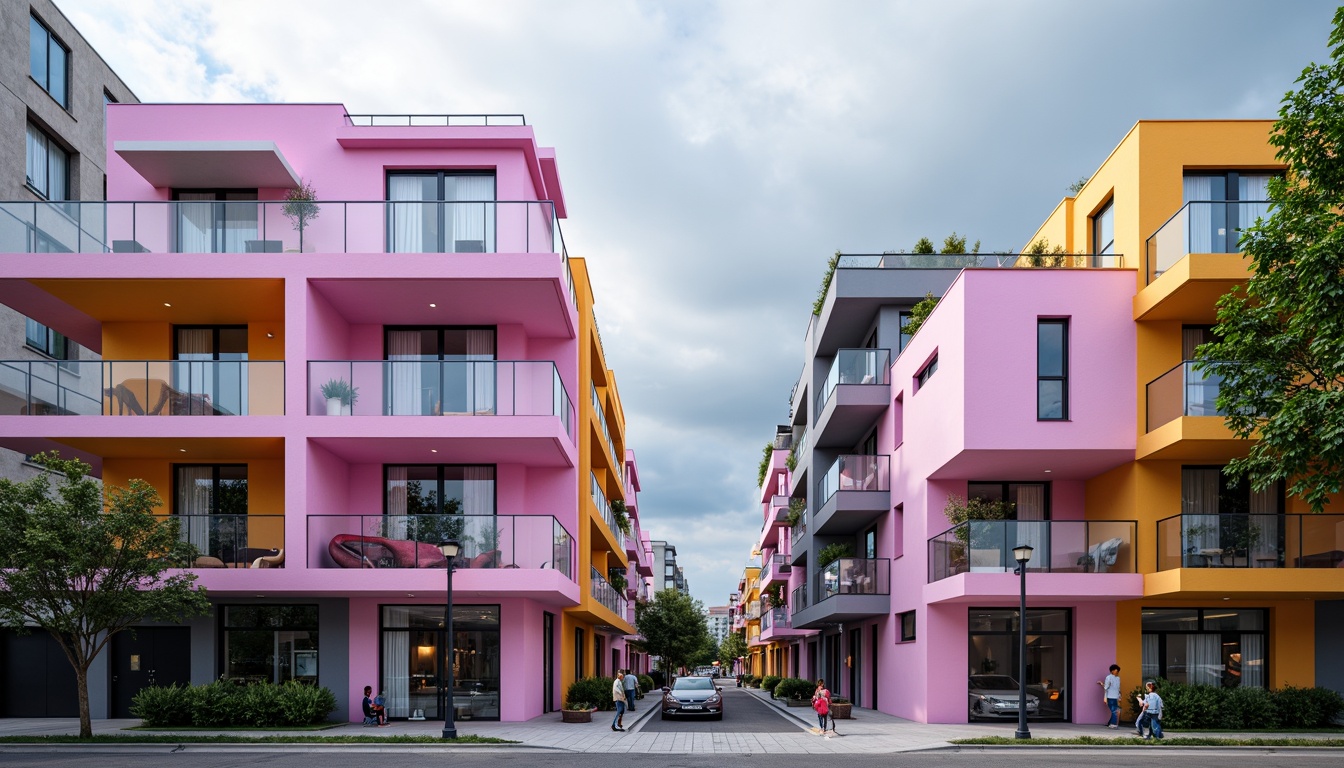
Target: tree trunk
x=82 y=685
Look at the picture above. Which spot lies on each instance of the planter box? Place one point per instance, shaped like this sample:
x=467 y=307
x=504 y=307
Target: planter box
x=798 y=703
x=576 y=715
x=840 y=711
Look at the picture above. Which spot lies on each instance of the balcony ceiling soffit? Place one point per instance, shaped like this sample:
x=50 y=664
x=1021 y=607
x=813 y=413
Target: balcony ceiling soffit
x=193 y=301
x=209 y=164
x=197 y=448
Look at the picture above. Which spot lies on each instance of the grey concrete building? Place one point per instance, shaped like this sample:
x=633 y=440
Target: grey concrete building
x=667 y=574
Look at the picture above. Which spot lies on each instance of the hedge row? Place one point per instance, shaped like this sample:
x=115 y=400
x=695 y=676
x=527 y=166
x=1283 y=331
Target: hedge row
x=224 y=704
x=1199 y=707
x=769 y=682
x=794 y=688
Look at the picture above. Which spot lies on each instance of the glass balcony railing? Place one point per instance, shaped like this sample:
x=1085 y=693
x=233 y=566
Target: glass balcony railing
x=233 y=541
x=142 y=387
x=1201 y=226
x=605 y=594
x=1183 y=391
x=1249 y=541
x=532 y=542
x=616 y=458
x=798 y=598
x=1059 y=546
x=854 y=576
x=855 y=473
x=799 y=529
x=322 y=226
x=855 y=366
x=438 y=388
x=976 y=260
x=776 y=618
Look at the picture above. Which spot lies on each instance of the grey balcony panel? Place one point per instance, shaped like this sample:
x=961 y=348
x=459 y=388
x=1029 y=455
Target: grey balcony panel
x=850 y=512
x=849 y=414
x=840 y=608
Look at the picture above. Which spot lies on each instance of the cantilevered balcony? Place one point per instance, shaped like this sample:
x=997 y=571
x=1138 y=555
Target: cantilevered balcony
x=854 y=492
x=797 y=535
x=605 y=594
x=1183 y=418
x=525 y=542
x=142 y=388
x=1194 y=258
x=847 y=589
x=775 y=569
x=1183 y=391
x=233 y=540
x=857 y=389
x=777 y=624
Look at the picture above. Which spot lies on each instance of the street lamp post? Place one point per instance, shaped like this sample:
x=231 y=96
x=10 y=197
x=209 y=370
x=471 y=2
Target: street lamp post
x=1022 y=555
x=449 y=548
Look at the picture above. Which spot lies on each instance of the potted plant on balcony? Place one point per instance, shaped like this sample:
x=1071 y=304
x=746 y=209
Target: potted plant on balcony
x=963 y=514
x=773 y=596
x=834 y=551
x=796 y=509
x=299 y=207
x=621 y=516
x=340 y=397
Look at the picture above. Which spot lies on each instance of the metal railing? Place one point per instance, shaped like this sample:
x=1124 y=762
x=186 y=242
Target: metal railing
x=481 y=120
x=754 y=610
x=855 y=366
x=776 y=618
x=277 y=226
x=981 y=260
x=799 y=529
x=616 y=462
x=798 y=598
x=854 y=576
x=532 y=542
x=1201 y=226
x=439 y=388
x=602 y=591
x=1183 y=391
x=852 y=472
x=1249 y=541
x=1058 y=546
x=142 y=387
x=230 y=540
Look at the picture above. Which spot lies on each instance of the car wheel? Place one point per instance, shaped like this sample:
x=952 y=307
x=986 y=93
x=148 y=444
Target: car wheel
x=663 y=716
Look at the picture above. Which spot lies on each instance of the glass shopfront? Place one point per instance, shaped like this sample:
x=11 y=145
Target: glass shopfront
x=994 y=659
x=1220 y=647
x=270 y=643
x=413 y=647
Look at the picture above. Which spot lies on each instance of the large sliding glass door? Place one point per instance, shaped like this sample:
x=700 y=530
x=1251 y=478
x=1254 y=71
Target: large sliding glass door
x=217 y=221
x=441 y=212
x=413 y=661
x=994 y=657
x=435 y=371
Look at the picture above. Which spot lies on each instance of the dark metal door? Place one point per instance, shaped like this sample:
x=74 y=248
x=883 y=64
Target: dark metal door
x=145 y=656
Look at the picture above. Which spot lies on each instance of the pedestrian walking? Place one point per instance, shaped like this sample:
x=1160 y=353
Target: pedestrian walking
x=1150 y=711
x=1111 y=695
x=618 y=697
x=821 y=704
x=631 y=690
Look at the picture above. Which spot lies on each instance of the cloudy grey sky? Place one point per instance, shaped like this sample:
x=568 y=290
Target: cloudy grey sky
x=714 y=155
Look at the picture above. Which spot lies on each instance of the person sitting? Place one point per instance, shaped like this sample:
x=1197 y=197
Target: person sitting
x=375 y=713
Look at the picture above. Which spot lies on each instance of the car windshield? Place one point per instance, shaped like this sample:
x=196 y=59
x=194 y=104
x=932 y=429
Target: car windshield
x=993 y=682
x=693 y=684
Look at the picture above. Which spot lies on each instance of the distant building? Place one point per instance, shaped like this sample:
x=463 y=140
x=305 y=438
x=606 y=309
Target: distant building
x=671 y=576
x=720 y=621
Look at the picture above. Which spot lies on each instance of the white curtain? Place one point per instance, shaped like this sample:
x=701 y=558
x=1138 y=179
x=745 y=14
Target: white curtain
x=195 y=222
x=481 y=347
x=397 y=662
x=1031 y=525
x=1151 y=664
x=194 y=502
x=478 y=491
x=36 y=158
x=396 y=503
x=1252 y=661
x=1199 y=221
x=1199 y=510
x=195 y=351
x=1204 y=659
x=473 y=222
x=405 y=376
x=1255 y=189
x=1201 y=387
x=240 y=221
x=408 y=219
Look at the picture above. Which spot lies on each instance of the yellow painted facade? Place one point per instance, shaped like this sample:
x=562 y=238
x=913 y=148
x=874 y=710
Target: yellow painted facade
x=1143 y=181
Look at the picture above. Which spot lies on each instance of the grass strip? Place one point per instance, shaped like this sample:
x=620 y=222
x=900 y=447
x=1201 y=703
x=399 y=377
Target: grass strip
x=1170 y=741
x=190 y=738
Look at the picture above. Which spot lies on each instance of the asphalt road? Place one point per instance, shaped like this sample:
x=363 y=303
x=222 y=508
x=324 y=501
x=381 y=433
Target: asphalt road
x=742 y=713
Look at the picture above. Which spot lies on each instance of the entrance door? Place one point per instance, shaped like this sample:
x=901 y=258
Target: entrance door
x=872 y=669
x=548 y=662
x=145 y=656
x=855 y=667
x=37 y=676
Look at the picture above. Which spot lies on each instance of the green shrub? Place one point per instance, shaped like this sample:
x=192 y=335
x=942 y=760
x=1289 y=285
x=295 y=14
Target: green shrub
x=593 y=691
x=769 y=682
x=163 y=706
x=645 y=683
x=794 y=688
x=1307 y=707
x=213 y=705
x=1195 y=707
x=222 y=705
x=306 y=704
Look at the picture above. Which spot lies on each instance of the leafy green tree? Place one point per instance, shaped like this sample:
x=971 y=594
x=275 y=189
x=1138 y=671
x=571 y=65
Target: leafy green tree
x=923 y=245
x=84 y=572
x=955 y=243
x=820 y=301
x=1281 y=347
x=919 y=313
x=731 y=649
x=674 y=628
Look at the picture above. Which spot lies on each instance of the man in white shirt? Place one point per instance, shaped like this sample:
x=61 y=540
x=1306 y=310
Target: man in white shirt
x=631 y=690
x=618 y=697
x=1111 y=688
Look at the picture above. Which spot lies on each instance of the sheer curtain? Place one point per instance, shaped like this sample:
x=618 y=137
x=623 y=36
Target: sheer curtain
x=1253 y=661
x=1255 y=189
x=1031 y=525
x=195 y=350
x=239 y=221
x=395 y=527
x=1201 y=387
x=405 y=376
x=397 y=661
x=478 y=491
x=195 y=222
x=1204 y=659
x=194 y=502
x=36 y=158
x=1199 y=508
x=1199 y=216
x=481 y=347
x=1151 y=664
x=473 y=214
x=408 y=219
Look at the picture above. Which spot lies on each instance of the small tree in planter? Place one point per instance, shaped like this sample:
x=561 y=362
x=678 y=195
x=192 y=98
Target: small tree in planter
x=340 y=397
x=300 y=208
x=773 y=596
x=621 y=516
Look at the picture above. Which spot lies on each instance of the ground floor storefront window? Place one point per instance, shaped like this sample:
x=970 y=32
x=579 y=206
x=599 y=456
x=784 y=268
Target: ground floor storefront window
x=413 y=665
x=994 y=661
x=270 y=643
x=1222 y=647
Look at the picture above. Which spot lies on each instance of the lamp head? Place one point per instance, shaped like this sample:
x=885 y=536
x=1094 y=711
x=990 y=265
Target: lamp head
x=1022 y=554
x=450 y=548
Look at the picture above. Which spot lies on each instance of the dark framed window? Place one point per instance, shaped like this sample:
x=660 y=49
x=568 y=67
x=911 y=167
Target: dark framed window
x=578 y=653
x=1221 y=647
x=905 y=337
x=219 y=221
x=270 y=643
x=210 y=369
x=439 y=489
x=1103 y=229
x=441 y=212
x=40 y=338
x=434 y=370
x=47 y=165
x=907 y=624
x=1031 y=501
x=414 y=661
x=211 y=501
x=1052 y=370
x=1221 y=204
x=870 y=543
x=49 y=61
x=926 y=373
x=995 y=654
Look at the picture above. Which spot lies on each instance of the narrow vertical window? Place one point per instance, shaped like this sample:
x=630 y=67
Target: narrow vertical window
x=48 y=61
x=1103 y=230
x=1052 y=370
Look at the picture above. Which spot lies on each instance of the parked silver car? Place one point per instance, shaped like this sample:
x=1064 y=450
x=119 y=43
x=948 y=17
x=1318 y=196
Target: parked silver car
x=693 y=695
x=994 y=696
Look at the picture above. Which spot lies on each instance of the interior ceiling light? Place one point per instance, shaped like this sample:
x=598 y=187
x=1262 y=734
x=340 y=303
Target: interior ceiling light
x=433 y=450
x=182 y=450
x=166 y=304
x=432 y=305
x=270 y=335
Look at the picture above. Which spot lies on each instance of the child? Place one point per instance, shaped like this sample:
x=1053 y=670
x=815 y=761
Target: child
x=380 y=706
x=1151 y=711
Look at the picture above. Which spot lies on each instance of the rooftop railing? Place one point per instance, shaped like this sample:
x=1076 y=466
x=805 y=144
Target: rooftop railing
x=436 y=120
x=854 y=473
x=1183 y=391
x=1058 y=546
x=1201 y=226
x=854 y=576
x=536 y=542
x=439 y=388
x=1249 y=541
x=142 y=387
x=977 y=260
x=855 y=366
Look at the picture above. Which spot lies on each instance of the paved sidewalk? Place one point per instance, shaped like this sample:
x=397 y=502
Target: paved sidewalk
x=868 y=732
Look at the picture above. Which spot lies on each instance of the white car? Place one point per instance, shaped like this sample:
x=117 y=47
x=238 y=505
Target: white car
x=996 y=696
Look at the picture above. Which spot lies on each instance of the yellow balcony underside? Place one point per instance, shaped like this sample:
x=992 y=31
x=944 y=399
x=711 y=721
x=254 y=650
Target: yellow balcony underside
x=1189 y=290
x=1246 y=583
x=214 y=301
x=1191 y=438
